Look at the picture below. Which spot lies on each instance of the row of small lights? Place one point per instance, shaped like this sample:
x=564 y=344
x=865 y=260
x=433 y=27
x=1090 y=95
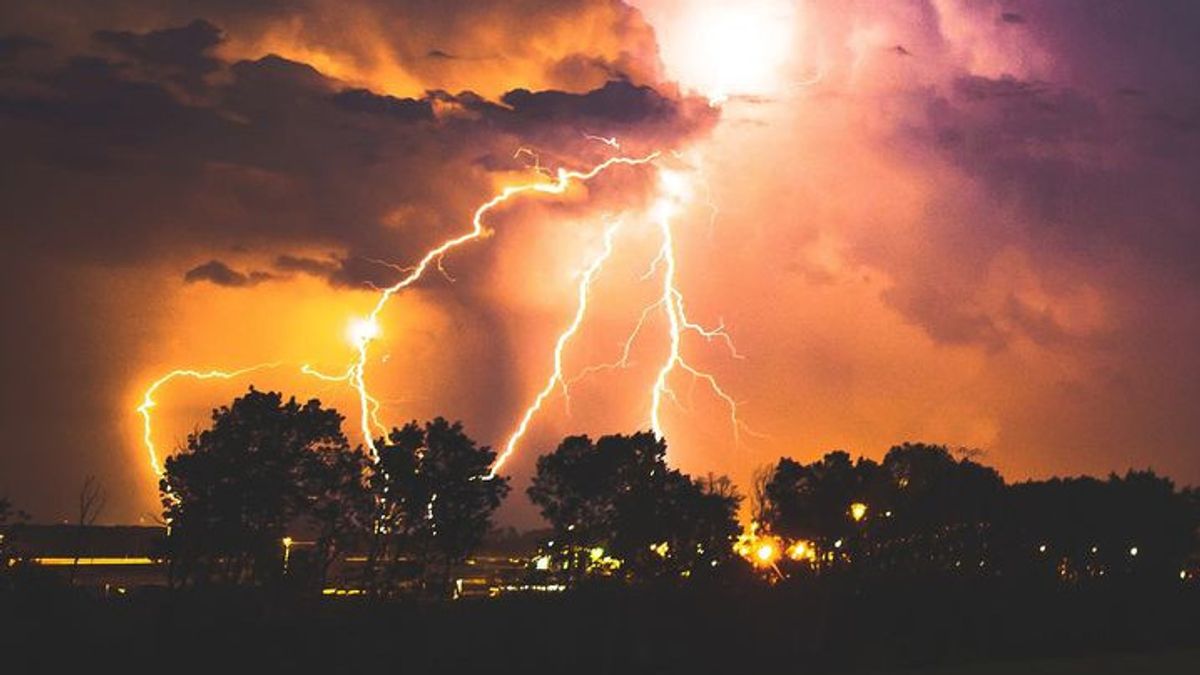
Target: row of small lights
x=764 y=550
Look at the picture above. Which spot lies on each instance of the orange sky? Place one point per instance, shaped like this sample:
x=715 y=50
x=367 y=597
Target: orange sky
x=924 y=220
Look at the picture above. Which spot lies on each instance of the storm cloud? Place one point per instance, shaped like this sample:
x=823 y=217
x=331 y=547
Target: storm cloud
x=953 y=221
x=242 y=146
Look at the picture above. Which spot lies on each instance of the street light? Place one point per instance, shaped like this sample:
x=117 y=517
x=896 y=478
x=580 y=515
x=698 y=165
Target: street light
x=287 y=552
x=766 y=553
x=858 y=511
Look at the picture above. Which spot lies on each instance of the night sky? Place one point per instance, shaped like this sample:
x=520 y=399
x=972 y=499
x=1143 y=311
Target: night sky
x=965 y=222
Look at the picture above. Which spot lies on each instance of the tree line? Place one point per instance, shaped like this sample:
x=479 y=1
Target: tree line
x=239 y=495
x=923 y=511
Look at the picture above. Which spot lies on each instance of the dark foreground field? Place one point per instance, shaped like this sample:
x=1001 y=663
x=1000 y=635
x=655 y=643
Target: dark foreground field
x=1153 y=663
x=947 y=627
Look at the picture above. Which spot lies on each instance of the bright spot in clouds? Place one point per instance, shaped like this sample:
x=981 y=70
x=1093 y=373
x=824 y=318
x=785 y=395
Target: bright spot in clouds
x=361 y=331
x=722 y=48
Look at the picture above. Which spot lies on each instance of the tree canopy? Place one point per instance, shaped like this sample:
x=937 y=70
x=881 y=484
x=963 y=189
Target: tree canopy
x=617 y=498
x=922 y=510
x=437 y=497
x=231 y=494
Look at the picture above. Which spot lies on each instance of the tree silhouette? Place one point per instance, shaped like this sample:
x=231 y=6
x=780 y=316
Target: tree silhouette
x=339 y=506
x=924 y=511
x=92 y=500
x=759 y=502
x=618 y=496
x=437 y=499
x=943 y=510
x=812 y=501
x=919 y=509
x=8 y=512
x=10 y=519
x=265 y=465
x=9 y=515
x=1077 y=528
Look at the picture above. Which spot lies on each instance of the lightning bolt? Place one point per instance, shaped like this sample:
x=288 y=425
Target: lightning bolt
x=610 y=141
x=556 y=378
x=626 y=348
x=563 y=180
x=148 y=402
x=674 y=191
x=373 y=404
x=365 y=330
x=668 y=205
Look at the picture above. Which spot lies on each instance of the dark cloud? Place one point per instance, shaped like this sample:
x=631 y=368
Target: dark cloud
x=1082 y=168
x=323 y=268
x=275 y=154
x=405 y=109
x=1079 y=167
x=186 y=48
x=978 y=88
x=340 y=272
x=12 y=46
x=217 y=272
x=520 y=42
x=1039 y=325
x=617 y=102
x=946 y=318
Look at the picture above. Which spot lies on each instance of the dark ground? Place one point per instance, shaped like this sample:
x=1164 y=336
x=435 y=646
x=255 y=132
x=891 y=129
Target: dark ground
x=949 y=626
x=1185 y=662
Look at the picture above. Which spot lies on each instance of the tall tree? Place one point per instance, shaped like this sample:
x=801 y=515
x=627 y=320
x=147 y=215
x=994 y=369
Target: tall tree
x=437 y=498
x=618 y=495
x=921 y=508
x=231 y=494
x=813 y=501
x=339 y=506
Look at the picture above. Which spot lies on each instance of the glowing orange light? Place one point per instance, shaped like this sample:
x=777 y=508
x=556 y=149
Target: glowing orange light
x=87 y=562
x=802 y=550
x=858 y=511
x=362 y=330
x=760 y=549
x=766 y=553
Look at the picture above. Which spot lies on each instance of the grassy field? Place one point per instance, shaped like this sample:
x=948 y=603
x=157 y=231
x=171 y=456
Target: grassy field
x=937 y=627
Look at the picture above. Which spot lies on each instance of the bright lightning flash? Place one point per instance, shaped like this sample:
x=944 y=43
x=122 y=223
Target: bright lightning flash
x=148 y=402
x=362 y=331
x=556 y=378
x=674 y=192
x=723 y=49
x=558 y=186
